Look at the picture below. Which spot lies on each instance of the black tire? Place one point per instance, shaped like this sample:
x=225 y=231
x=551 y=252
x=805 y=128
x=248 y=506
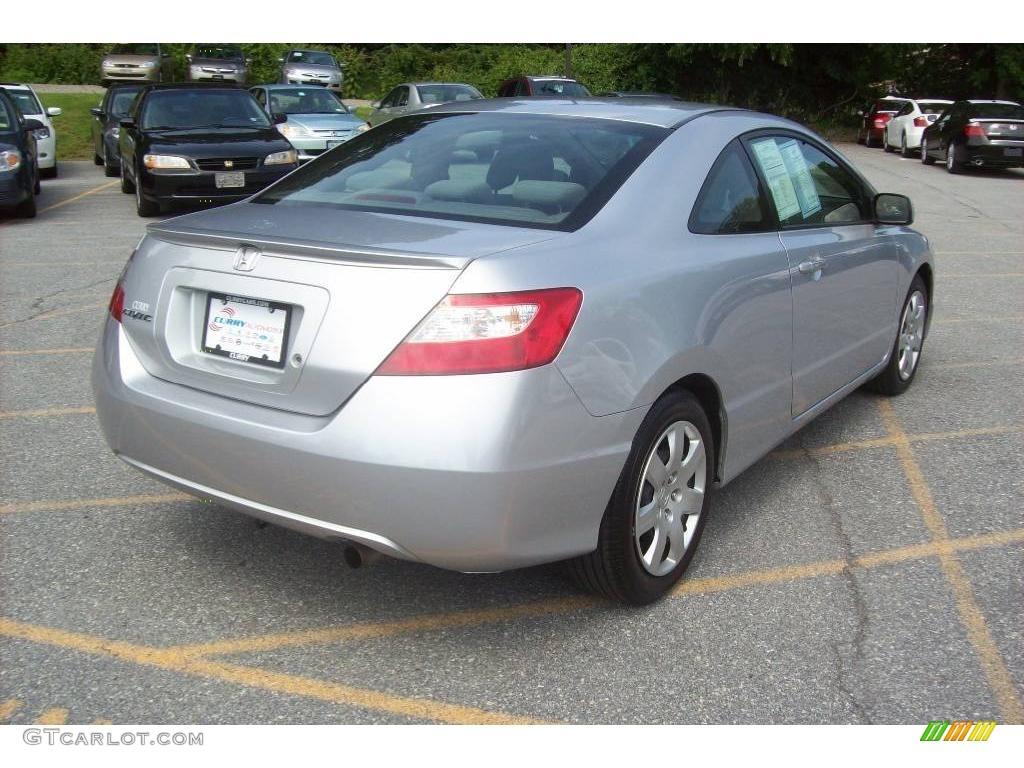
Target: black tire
x=143 y=205
x=112 y=171
x=126 y=184
x=904 y=149
x=27 y=209
x=952 y=164
x=49 y=173
x=890 y=381
x=614 y=569
x=868 y=141
x=885 y=143
x=925 y=157
x=97 y=160
x=36 y=186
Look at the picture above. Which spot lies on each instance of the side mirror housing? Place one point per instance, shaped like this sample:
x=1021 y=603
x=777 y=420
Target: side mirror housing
x=127 y=123
x=32 y=124
x=893 y=209
x=188 y=57
x=375 y=105
x=96 y=112
x=279 y=117
x=54 y=111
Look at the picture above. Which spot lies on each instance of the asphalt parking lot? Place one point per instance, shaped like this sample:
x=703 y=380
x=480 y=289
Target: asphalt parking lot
x=869 y=570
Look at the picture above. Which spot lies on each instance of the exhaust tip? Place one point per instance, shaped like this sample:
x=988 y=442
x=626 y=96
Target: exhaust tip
x=358 y=556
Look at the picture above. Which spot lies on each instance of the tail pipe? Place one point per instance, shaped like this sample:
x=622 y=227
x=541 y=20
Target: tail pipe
x=358 y=555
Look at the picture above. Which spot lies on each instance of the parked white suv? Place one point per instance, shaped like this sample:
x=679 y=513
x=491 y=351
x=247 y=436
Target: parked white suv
x=46 y=137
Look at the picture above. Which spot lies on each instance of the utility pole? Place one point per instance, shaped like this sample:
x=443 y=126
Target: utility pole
x=568 y=59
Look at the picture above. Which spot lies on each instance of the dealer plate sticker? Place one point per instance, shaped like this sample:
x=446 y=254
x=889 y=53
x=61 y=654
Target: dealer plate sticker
x=246 y=329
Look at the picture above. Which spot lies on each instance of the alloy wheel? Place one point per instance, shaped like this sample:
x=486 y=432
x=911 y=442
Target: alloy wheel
x=911 y=334
x=670 y=498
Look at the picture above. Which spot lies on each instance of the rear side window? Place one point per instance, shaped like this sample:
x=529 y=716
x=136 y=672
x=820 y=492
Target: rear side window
x=996 y=112
x=730 y=201
x=544 y=171
x=806 y=186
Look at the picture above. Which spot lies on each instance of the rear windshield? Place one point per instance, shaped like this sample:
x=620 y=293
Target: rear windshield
x=439 y=93
x=996 y=111
x=136 y=49
x=889 y=106
x=568 y=88
x=544 y=171
x=312 y=57
x=223 y=52
x=26 y=101
x=202 y=108
x=306 y=101
x=933 y=107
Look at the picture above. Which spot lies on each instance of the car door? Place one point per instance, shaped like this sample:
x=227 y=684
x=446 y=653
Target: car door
x=843 y=266
x=387 y=105
x=937 y=135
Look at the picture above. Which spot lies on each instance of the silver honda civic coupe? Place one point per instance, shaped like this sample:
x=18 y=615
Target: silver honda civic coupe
x=504 y=333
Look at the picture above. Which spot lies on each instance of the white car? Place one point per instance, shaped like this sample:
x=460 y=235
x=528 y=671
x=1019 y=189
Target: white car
x=903 y=131
x=46 y=137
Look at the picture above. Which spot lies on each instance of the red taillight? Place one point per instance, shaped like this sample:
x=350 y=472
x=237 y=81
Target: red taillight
x=974 y=130
x=487 y=333
x=116 y=307
x=882 y=119
x=920 y=122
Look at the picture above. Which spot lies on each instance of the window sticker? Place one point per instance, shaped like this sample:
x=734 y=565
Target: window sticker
x=803 y=184
x=779 y=182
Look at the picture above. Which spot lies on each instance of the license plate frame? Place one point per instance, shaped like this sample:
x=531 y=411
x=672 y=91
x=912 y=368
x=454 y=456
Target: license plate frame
x=229 y=179
x=247 y=346
x=1013 y=152
x=332 y=143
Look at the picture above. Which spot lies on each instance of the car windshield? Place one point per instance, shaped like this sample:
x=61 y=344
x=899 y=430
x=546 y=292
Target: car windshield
x=542 y=171
x=121 y=101
x=202 y=108
x=26 y=101
x=222 y=52
x=306 y=101
x=136 y=49
x=932 y=107
x=997 y=112
x=568 y=88
x=312 y=57
x=439 y=93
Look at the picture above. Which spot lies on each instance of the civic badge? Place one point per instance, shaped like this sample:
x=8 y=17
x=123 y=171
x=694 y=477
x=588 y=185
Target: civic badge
x=229 y=163
x=246 y=258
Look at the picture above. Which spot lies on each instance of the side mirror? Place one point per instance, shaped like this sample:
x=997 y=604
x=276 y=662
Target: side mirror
x=375 y=105
x=893 y=209
x=127 y=123
x=188 y=57
x=32 y=124
x=279 y=117
x=280 y=59
x=96 y=112
x=54 y=111
x=165 y=55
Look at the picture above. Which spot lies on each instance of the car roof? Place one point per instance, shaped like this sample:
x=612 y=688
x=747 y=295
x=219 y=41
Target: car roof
x=992 y=101
x=284 y=86
x=439 y=82
x=652 y=111
x=308 y=50
x=208 y=86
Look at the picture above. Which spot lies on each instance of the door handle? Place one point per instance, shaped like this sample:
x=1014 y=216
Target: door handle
x=811 y=266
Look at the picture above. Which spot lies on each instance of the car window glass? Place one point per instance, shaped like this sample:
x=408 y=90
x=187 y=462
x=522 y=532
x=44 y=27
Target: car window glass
x=136 y=49
x=528 y=170
x=390 y=99
x=220 y=52
x=986 y=112
x=439 y=93
x=7 y=119
x=306 y=101
x=26 y=101
x=932 y=107
x=729 y=201
x=907 y=109
x=403 y=97
x=519 y=89
x=121 y=101
x=202 y=109
x=807 y=186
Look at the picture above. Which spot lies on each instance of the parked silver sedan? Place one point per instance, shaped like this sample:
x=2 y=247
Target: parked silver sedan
x=505 y=333
x=409 y=97
x=317 y=120
x=300 y=67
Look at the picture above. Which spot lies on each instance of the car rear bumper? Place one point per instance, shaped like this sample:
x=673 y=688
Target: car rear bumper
x=46 y=150
x=134 y=75
x=238 y=78
x=470 y=473
x=993 y=154
x=202 y=186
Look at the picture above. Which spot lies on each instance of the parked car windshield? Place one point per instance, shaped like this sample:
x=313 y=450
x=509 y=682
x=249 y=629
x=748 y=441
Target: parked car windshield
x=121 y=101
x=201 y=108
x=136 y=49
x=439 y=93
x=559 y=88
x=997 y=111
x=544 y=171
x=312 y=57
x=26 y=101
x=306 y=101
x=224 y=52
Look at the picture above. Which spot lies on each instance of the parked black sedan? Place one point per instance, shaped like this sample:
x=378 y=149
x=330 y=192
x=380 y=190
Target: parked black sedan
x=19 y=174
x=982 y=134
x=199 y=144
x=106 y=124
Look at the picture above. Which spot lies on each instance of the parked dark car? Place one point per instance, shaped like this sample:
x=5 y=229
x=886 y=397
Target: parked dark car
x=19 y=174
x=106 y=125
x=199 y=144
x=983 y=134
x=543 y=85
x=875 y=117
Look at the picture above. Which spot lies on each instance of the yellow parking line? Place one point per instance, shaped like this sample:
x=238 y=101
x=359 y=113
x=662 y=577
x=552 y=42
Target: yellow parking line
x=45 y=412
x=69 y=311
x=982 y=319
x=88 y=192
x=889 y=442
x=973 y=620
x=981 y=274
x=257 y=678
x=9 y=708
x=55 y=716
x=57 y=505
x=435 y=622
x=102 y=722
x=93 y=263
x=974 y=364
x=54 y=351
